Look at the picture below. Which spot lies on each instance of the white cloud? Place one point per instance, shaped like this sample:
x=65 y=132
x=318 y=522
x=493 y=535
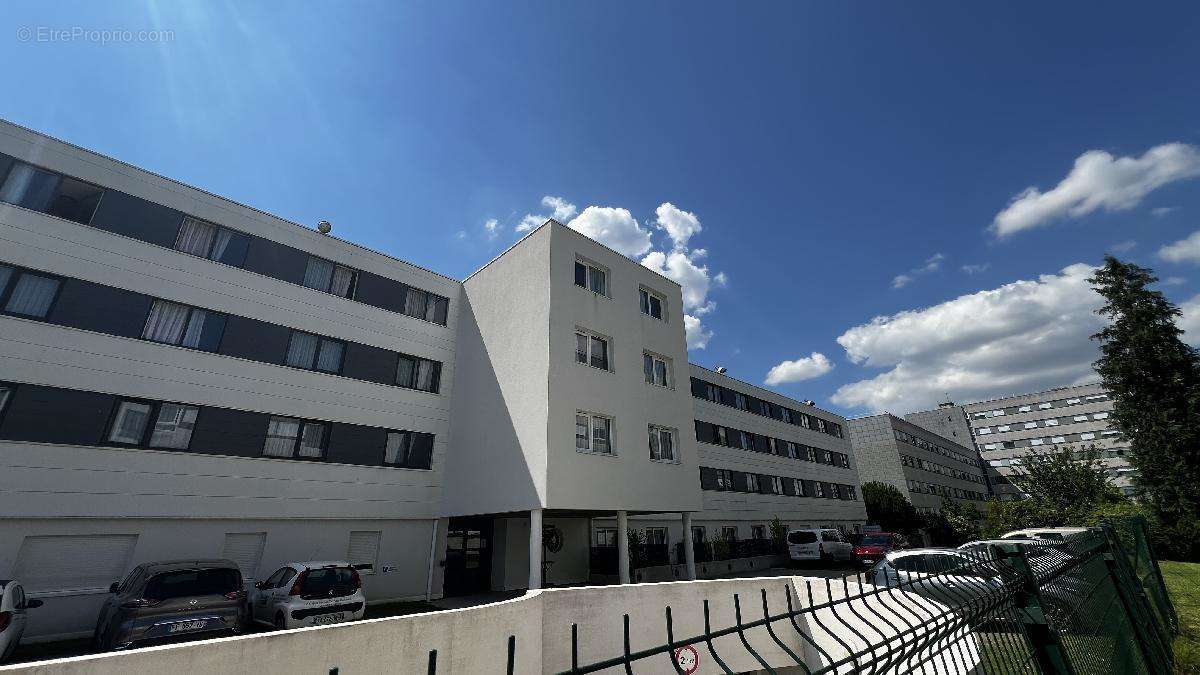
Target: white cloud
x=1123 y=246
x=1174 y=281
x=1163 y=210
x=803 y=368
x=1190 y=321
x=683 y=270
x=460 y=235
x=976 y=269
x=1022 y=336
x=1184 y=250
x=932 y=264
x=679 y=225
x=1099 y=180
x=493 y=228
x=697 y=335
x=560 y=210
x=614 y=227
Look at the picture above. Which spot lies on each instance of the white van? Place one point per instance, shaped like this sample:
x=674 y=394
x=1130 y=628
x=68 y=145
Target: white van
x=818 y=544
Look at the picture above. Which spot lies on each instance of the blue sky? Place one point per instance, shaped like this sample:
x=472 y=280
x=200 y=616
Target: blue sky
x=825 y=149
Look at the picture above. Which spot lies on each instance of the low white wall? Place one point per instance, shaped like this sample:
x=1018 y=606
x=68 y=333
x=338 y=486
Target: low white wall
x=475 y=640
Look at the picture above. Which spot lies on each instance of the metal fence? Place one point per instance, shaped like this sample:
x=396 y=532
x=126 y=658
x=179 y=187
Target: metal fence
x=1092 y=603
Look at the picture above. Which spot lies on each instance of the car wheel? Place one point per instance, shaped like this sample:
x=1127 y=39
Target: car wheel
x=279 y=622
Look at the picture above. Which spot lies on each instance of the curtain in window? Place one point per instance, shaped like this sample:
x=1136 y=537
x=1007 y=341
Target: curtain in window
x=130 y=423
x=195 y=328
x=195 y=237
x=405 y=370
x=414 y=303
x=330 y=358
x=222 y=243
x=342 y=278
x=437 y=309
x=660 y=373
x=666 y=442
x=281 y=437
x=396 y=451
x=28 y=187
x=648 y=367
x=597 y=276
x=425 y=375
x=166 y=322
x=599 y=434
x=655 y=449
x=173 y=428
x=302 y=350
x=318 y=274
x=599 y=353
x=581 y=348
x=581 y=432
x=32 y=295
x=313 y=443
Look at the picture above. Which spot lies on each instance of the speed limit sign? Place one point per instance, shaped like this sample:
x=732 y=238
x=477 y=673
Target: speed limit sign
x=687 y=659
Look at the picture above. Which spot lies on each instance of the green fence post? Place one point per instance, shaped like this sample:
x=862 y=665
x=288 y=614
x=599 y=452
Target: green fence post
x=1047 y=645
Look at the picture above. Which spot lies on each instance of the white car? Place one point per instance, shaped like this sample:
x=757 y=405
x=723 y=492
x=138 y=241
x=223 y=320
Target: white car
x=13 y=605
x=945 y=574
x=309 y=594
x=818 y=544
x=1053 y=533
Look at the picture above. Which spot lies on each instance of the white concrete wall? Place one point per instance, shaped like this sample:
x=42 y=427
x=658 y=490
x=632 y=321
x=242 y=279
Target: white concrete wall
x=475 y=640
x=628 y=479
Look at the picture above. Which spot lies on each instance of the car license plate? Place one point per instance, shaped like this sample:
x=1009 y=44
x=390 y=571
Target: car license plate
x=184 y=626
x=328 y=618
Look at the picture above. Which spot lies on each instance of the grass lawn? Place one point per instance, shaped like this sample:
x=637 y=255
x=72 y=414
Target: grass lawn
x=1183 y=583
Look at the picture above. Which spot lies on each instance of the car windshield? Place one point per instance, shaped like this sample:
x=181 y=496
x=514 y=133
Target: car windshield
x=322 y=581
x=190 y=583
x=876 y=540
x=802 y=537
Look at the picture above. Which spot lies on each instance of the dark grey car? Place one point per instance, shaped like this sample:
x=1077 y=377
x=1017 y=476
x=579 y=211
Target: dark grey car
x=172 y=601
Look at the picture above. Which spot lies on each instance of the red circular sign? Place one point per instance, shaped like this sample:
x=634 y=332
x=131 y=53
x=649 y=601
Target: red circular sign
x=687 y=659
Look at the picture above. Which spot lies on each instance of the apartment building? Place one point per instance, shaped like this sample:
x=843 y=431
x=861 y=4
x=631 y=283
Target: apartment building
x=924 y=465
x=761 y=455
x=1008 y=430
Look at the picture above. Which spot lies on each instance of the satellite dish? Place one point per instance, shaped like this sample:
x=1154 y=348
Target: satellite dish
x=721 y=369
x=324 y=227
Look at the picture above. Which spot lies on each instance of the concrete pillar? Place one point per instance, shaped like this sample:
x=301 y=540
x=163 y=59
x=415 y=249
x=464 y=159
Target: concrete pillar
x=535 y=549
x=623 y=546
x=689 y=550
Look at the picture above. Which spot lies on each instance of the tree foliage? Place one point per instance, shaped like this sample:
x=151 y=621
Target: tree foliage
x=1153 y=378
x=889 y=508
x=955 y=523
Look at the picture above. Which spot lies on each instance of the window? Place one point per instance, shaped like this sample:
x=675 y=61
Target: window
x=657 y=369
x=206 y=240
x=421 y=304
x=1050 y=422
x=1003 y=428
x=724 y=479
x=819 y=489
x=1080 y=418
x=652 y=303
x=6 y=391
x=776 y=485
x=408 y=449
x=662 y=443
x=413 y=372
x=329 y=277
x=1036 y=441
x=850 y=492
x=1045 y=406
x=591 y=277
x=997 y=413
x=729 y=532
x=1100 y=416
x=41 y=190
x=25 y=293
x=752 y=482
x=591 y=350
x=362 y=551
x=1072 y=401
x=758 y=532
x=1024 y=408
x=290 y=437
x=656 y=536
x=1087 y=436
x=1031 y=425
x=154 y=425
x=604 y=536
x=313 y=352
x=799 y=487
x=175 y=324
x=593 y=433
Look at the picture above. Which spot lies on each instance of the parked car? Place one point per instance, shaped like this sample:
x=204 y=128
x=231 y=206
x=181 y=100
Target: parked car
x=171 y=601
x=1052 y=533
x=818 y=544
x=941 y=574
x=875 y=545
x=13 y=605
x=309 y=594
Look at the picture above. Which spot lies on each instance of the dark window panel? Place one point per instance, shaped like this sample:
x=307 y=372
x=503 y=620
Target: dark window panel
x=137 y=218
x=727 y=396
x=52 y=415
x=764 y=483
x=422 y=451
x=381 y=292
x=708 y=478
x=809 y=487
x=276 y=260
x=255 y=340
x=761 y=444
x=104 y=309
x=354 y=444
x=220 y=431
x=699 y=388
x=705 y=432
x=364 y=362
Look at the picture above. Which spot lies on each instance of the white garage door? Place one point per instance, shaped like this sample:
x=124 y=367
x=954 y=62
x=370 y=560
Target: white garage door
x=245 y=549
x=84 y=563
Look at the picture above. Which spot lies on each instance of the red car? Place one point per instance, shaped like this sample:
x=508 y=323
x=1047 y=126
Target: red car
x=875 y=545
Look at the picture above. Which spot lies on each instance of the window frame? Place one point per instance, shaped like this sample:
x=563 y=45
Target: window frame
x=295 y=456
x=316 y=357
x=609 y=367
x=412 y=439
x=151 y=420
x=57 y=186
x=657 y=430
x=217 y=228
x=589 y=279
x=590 y=449
x=11 y=285
x=644 y=305
x=437 y=373
x=350 y=293
x=668 y=369
x=191 y=309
